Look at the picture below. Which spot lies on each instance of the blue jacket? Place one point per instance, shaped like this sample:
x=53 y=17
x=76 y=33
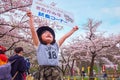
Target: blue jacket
x=18 y=65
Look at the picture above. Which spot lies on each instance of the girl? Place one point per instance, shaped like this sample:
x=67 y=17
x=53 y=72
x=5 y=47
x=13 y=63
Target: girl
x=47 y=50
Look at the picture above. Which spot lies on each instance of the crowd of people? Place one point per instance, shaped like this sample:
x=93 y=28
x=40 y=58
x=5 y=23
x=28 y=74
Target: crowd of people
x=15 y=67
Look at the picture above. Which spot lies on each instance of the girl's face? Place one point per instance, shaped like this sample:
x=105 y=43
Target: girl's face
x=47 y=37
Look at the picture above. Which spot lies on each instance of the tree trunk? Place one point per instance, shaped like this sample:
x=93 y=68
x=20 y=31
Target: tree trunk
x=71 y=69
x=91 y=76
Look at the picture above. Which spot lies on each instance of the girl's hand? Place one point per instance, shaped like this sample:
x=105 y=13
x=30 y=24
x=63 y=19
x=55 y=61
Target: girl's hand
x=75 y=28
x=29 y=14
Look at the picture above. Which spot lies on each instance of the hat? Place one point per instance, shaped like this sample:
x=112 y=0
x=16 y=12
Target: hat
x=2 y=48
x=3 y=57
x=42 y=29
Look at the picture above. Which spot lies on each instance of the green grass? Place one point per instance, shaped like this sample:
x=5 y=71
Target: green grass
x=76 y=78
x=85 y=78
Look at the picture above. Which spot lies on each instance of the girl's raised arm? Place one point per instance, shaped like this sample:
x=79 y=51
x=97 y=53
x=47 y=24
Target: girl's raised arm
x=62 y=39
x=32 y=28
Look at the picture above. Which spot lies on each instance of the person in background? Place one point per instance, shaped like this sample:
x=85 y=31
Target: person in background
x=28 y=66
x=83 y=74
x=3 y=57
x=105 y=75
x=47 y=50
x=5 y=67
x=19 y=66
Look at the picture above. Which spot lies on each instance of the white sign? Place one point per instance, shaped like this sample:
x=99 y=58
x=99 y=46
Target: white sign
x=51 y=13
x=115 y=66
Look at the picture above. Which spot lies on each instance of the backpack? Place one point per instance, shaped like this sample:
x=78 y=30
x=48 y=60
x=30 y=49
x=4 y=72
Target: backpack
x=5 y=71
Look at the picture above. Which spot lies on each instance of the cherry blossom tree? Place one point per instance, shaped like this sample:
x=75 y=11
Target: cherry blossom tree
x=12 y=21
x=92 y=46
x=14 y=31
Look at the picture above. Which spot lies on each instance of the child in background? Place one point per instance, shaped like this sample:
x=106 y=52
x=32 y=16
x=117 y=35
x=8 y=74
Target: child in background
x=47 y=50
x=3 y=57
x=5 y=67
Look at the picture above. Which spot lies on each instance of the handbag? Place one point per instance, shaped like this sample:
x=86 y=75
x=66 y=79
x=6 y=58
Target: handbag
x=29 y=77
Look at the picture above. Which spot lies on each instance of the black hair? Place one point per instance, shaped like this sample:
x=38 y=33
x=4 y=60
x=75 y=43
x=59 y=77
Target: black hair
x=18 y=49
x=41 y=30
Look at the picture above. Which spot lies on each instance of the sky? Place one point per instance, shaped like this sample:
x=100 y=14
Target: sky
x=107 y=11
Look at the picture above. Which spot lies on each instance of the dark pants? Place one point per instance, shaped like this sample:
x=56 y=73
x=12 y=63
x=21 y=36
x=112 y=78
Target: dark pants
x=50 y=73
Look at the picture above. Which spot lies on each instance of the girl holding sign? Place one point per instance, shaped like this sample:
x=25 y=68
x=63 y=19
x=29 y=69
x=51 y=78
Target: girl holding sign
x=47 y=50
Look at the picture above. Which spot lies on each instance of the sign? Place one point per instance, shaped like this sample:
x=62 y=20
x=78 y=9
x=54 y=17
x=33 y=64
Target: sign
x=115 y=67
x=51 y=13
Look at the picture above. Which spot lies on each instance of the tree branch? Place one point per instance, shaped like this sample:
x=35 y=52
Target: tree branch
x=2 y=12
